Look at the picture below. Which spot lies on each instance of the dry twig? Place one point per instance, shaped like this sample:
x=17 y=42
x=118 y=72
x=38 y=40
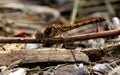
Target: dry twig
x=80 y=37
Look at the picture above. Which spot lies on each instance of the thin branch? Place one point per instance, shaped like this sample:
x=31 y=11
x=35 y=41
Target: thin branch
x=82 y=37
x=57 y=40
x=17 y=40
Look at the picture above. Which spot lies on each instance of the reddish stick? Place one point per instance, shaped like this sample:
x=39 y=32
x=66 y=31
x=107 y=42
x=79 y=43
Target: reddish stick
x=80 y=37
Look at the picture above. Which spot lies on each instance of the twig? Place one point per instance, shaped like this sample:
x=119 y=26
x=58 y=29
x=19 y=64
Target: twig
x=80 y=37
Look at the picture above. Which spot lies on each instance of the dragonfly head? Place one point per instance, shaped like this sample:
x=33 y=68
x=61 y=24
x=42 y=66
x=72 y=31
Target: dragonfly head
x=39 y=35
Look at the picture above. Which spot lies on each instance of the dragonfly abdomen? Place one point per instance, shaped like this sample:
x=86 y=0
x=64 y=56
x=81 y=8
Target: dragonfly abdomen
x=68 y=27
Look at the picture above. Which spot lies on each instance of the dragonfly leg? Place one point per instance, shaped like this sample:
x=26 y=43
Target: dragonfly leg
x=97 y=28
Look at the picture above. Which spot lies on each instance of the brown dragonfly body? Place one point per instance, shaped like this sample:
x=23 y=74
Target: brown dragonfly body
x=53 y=30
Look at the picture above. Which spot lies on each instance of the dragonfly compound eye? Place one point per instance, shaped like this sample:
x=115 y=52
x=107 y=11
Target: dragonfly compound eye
x=39 y=35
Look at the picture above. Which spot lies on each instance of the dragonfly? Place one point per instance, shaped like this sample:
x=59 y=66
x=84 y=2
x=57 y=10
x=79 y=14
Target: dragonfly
x=54 y=30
